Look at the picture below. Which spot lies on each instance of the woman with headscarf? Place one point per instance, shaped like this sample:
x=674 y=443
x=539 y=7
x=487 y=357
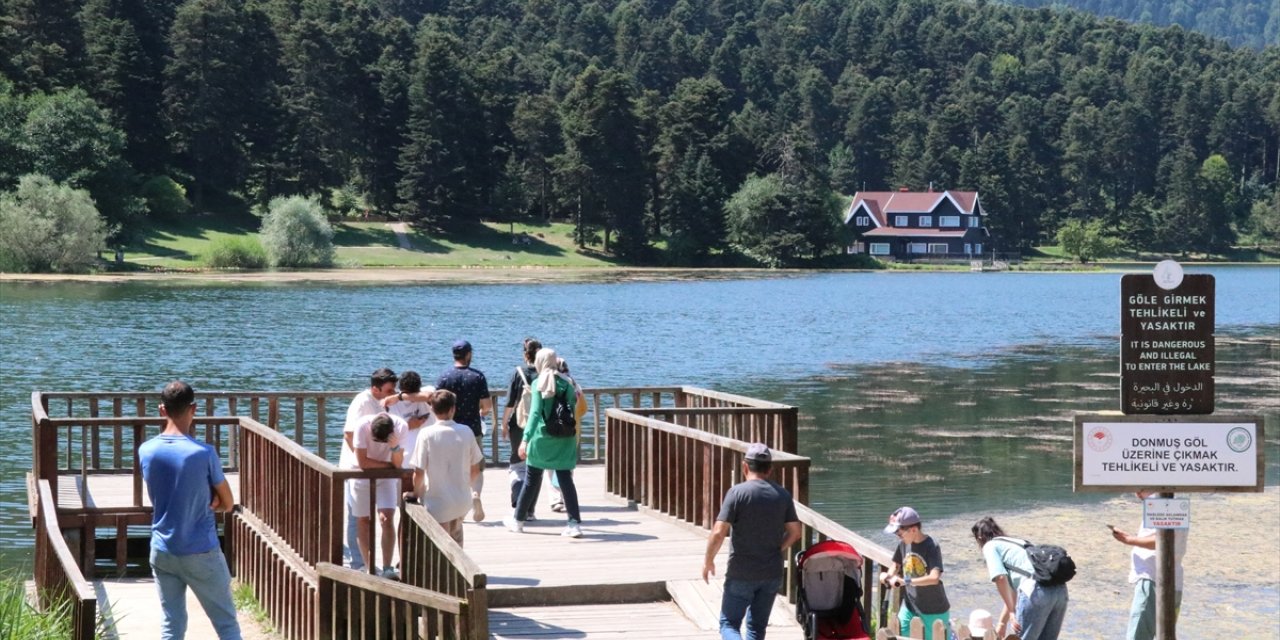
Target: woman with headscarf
x=545 y=452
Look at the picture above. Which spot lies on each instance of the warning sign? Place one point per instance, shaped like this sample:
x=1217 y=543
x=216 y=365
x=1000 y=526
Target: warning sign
x=1190 y=454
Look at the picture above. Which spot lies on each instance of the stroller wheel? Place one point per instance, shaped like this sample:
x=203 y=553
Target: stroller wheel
x=811 y=627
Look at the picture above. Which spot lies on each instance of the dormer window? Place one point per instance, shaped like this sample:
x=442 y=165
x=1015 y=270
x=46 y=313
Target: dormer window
x=900 y=221
x=973 y=221
x=863 y=221
x=948 y=221
x=926 y=221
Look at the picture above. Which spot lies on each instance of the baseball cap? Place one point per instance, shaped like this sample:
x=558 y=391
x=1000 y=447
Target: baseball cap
x=903 y=517
x=460 y=347
x=757 y=451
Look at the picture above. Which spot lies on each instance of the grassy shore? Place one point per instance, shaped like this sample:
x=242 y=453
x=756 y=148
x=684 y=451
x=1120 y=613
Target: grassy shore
x=1232 y=568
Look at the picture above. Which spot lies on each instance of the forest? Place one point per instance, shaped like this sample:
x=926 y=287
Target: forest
x=701 y=126
x=1249 y=23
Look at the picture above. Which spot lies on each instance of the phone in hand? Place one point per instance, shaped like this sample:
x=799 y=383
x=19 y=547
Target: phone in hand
x=1112 y=527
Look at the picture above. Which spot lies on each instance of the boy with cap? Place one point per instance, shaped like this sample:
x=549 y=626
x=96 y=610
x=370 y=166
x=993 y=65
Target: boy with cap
x=917 y=566
x=472 y=392
x=761 y=516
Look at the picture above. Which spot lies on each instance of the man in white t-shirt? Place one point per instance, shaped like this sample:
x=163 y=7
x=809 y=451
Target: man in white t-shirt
x=417 y=413
x=376 y=441
x=1142 y=575
x=446 y=461
x=382 y=384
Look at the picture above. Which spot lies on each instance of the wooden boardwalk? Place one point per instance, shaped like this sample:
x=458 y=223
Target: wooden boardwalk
x=541 y=585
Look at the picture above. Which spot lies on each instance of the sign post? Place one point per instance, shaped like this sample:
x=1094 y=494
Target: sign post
x=1167 y=367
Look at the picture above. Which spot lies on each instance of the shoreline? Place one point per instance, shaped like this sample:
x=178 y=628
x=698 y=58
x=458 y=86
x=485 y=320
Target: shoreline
x=1232 y=568
x=517 y=275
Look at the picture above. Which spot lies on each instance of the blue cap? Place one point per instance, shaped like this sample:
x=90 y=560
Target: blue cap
x=759 y=452
x=460 y=347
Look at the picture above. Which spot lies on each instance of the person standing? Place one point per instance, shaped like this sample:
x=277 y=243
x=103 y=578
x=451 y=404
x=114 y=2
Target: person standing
x=445 y=461
x=185 y=482
x=472 y=391
x=1142 y=575
x=516 y=414
x=917 y=567
x=759 y=517
x=416 y=413
x=382 y=385
x=376 y=441
x=544 y=451
x=1034 y=611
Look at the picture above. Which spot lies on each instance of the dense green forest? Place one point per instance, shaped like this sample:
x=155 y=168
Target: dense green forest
x=704 y=125
x=1250 y=23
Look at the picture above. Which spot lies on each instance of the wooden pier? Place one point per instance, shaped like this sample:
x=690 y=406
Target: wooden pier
x=657 y=461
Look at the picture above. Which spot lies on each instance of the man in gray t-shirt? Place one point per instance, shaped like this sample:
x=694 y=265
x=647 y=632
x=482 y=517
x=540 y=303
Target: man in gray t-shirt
x=760 y=518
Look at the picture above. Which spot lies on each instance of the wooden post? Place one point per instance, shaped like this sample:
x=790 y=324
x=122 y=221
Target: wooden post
x=1166 y=608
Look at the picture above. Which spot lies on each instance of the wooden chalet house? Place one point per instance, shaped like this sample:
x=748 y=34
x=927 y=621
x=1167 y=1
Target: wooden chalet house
x=907 y=225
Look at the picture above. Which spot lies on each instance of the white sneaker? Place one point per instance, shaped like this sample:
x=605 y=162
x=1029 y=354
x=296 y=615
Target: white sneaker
x=477 y=508
x=389 y=573
x=513 y=525
x=530 y=517
x=572 y=531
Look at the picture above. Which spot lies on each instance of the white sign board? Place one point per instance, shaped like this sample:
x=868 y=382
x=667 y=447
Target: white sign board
x=1166 y=513
x=1188 y=453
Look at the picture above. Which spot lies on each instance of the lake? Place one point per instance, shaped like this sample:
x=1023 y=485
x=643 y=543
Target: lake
x=949 y=391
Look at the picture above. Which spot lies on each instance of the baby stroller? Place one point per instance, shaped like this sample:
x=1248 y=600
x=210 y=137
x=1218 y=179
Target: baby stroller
x=830 y=600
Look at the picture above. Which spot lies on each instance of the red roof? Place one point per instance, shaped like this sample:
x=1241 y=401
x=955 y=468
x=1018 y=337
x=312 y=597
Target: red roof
x=883 y=204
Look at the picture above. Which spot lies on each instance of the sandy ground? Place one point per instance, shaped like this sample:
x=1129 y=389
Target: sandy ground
x=1232 y=566
x=413 y=275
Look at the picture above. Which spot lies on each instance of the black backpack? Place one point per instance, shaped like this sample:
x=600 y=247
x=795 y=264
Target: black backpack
x=561 y=423
x=1052 y=564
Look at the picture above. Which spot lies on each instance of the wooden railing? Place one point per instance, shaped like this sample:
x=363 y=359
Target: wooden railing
x=683 y=472
x=357 y=606
x=772 y=427
x=281 y=580
x=57 y=574
x=772 y=423
x=440 y=565
x=280 y=481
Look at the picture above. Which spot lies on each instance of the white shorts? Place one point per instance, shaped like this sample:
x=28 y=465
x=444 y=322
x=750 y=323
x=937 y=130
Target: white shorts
x=358 y=495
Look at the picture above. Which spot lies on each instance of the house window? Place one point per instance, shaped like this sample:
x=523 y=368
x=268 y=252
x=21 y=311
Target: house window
x=926 y=221
x=879 y=248
x=968 y=248
x=948 y=221
x=938 y=247
x=977 y=248
x=918 y=247
x=973 y=221
x=856 y=247
x=863 y=221
x=899 y=221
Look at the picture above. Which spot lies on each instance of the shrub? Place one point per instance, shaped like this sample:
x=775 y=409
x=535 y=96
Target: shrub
x=49 y=227
x=235 y=253
x=165 y=197
x=296 y=234
x=348 y=201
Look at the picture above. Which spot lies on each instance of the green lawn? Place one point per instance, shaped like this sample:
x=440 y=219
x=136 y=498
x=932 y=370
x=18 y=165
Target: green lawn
x=181 y=244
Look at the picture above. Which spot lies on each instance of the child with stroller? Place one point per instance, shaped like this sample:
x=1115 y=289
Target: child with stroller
x=917 y=567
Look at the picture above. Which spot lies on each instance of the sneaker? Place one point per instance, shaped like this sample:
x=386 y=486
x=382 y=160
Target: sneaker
x=513 y=525
x=477 y=509
x=572 y=531
x=557 y=507
x=531 y=517
x=389 y=573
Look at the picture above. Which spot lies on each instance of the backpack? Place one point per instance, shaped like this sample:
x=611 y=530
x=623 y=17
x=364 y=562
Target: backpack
x=526 y=400
x=561 y=423
x=1052 y=564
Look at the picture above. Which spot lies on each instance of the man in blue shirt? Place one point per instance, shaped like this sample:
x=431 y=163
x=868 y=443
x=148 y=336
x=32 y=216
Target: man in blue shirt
x=184 y=479
x=472 y=391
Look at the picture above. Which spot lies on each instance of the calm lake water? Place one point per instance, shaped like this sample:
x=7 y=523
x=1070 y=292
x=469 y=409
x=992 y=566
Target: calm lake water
x=951 y=391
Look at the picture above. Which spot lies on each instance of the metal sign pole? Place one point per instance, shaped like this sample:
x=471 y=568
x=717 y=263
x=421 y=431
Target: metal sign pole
x=1166 y=581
